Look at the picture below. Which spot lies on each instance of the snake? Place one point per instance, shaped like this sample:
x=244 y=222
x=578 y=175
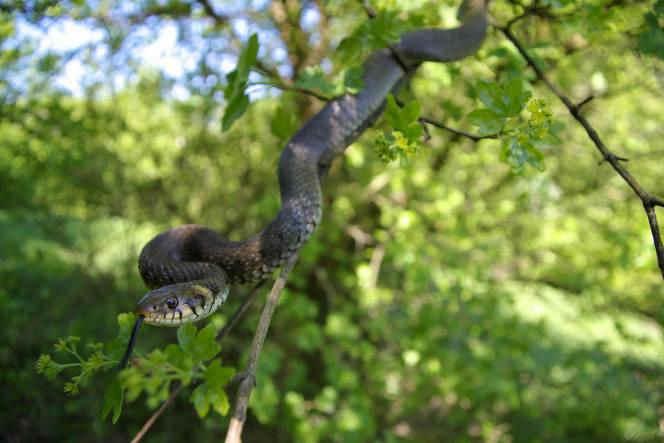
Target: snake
x=189 y=269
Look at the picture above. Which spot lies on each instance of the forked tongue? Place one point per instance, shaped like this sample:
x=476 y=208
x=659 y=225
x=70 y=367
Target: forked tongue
x=132 y=342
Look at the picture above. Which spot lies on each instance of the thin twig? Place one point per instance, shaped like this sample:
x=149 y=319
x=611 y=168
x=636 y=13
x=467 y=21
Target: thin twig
x=153 y=418
x=237 y=315
x=440 y=125
x=654 y=229
x=234 y=433
x=289 y=87
x=248 y=300
x=648 y=200
x=585 y=101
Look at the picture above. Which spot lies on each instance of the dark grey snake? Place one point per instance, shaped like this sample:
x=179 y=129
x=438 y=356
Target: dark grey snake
x=191 y=267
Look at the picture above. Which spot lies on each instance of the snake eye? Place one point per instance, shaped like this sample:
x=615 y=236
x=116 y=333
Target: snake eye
x=172 y=302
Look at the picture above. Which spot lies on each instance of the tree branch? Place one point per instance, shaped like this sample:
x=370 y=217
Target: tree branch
x=648 y=200
x=234 y=433
x=153 y=418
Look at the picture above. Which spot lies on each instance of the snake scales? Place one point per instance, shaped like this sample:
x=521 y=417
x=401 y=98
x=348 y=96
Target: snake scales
x=191 y=267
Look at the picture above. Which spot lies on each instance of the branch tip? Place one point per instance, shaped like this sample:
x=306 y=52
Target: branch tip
x=611 y=158
x=440 y=125
x=585 y=101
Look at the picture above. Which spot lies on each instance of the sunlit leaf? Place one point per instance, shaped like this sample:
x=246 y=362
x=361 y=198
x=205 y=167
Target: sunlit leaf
x=487 y=121
x=113 y=399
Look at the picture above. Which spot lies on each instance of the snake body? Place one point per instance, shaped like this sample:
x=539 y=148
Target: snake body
x=190 y=267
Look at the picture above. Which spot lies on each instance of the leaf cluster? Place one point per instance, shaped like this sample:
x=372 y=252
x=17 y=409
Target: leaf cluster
x=380 y=31
x=523 y=137
x=192 y=360
x=403 y=138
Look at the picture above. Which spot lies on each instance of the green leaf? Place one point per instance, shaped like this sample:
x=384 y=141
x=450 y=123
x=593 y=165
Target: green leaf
x=205 y=345
x=491 y=96
x=113 y=399
x=515 y=96
x=382 y=30
x=413 y=132
x=186 y=334
x=651 y=38
x=200 y=400
x=352 y=79
x=410 y=112
x=234 y=110
x=283 y=124
x=392 y=111
x=313 y=78
x=487 y=121
x=504 y=99
x=211 y=393
x=234 y=92
x=519 y=152
x=401 y=118
x=199 y=345
x=176 y=356
x=217 y=375
x=219 y=401
x=237 y=79
x=350 y=49
x=117 y=347
x=403 y=140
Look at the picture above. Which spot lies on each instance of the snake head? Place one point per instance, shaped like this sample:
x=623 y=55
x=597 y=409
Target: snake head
x=179 y=303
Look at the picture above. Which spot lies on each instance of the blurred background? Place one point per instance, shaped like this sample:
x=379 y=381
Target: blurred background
x=445 y=298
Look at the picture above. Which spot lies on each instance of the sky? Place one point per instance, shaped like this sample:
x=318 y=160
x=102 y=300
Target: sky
x=161 y=52
x=155 y=47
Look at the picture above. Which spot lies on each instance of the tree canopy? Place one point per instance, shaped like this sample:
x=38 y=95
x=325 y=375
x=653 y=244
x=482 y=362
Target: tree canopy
x=484 y=271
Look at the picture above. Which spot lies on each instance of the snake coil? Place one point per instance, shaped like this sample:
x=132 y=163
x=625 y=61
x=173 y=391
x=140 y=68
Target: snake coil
x=190 y=268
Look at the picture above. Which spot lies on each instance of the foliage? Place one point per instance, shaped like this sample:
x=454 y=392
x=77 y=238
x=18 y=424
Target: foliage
x=191 y=361
x=522 y=138
x=380 y=32
x=651 y=39
x=403 y=140
x=443 y=298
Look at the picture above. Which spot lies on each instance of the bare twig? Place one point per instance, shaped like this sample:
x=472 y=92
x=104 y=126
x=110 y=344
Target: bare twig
x=585 y=101
x=283 y=86
x=222 y=333
x=153 y=418
x=648 y=200
x=437 y=124
x=237 y=315
x=234 y=433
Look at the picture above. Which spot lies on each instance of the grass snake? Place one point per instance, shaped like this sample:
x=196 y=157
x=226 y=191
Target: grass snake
x=190 y=268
